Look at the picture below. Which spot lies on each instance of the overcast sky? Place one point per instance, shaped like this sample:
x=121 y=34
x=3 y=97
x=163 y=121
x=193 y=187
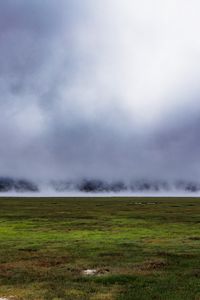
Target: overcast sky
x=104 y=88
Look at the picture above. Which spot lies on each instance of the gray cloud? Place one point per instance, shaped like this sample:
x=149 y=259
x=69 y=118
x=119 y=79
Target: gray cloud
x=99 y=90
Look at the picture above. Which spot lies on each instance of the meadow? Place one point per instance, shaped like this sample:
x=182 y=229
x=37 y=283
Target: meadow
x=138 y=248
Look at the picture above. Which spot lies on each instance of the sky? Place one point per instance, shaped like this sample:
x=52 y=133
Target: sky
x=100 y=89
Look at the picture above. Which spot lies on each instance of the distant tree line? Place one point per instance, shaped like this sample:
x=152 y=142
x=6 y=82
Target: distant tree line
x=17 y=185
x=99 y=186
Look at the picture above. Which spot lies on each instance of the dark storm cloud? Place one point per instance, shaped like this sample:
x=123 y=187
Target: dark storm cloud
x=98 y=90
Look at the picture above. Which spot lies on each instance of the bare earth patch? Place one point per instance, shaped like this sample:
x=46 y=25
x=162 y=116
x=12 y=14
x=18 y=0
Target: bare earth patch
x=154 y=265
x=9 y=298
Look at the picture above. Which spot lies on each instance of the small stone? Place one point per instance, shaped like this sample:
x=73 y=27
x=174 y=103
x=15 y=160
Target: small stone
x=88 y=272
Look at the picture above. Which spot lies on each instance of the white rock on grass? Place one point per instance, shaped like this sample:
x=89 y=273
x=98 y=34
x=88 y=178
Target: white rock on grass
x=88 y=272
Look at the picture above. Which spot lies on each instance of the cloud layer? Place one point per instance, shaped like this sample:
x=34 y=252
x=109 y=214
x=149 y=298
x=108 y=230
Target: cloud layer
x=98 y=89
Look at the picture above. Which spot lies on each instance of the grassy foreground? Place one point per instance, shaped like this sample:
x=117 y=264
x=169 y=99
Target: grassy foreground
x=140 y=248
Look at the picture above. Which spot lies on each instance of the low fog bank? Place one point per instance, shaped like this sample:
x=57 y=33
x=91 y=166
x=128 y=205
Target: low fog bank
x=91 y=187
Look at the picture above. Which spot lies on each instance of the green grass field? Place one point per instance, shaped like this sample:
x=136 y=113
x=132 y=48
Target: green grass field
x=141 y=248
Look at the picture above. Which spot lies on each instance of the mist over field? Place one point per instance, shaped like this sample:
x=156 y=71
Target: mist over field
x=99 y=91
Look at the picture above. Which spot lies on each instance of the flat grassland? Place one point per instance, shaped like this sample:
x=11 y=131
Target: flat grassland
x=139 y=248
